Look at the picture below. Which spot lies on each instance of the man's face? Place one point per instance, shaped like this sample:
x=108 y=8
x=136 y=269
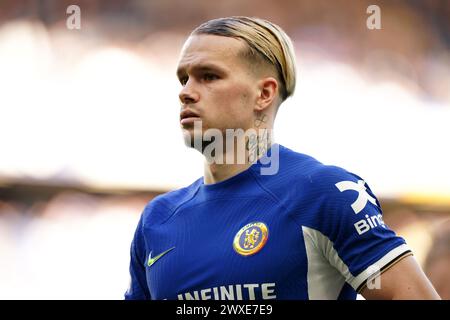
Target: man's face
x=218 y=86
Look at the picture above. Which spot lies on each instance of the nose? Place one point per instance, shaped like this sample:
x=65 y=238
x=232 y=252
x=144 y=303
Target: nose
x=188 y=94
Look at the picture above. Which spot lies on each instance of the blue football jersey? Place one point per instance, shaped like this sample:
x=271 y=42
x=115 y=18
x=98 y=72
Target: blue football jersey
x=310 y=231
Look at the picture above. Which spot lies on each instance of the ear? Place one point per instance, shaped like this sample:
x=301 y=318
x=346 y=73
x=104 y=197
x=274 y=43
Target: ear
x=268 y=88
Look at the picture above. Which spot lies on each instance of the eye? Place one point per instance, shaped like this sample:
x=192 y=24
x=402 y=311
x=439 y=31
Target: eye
x=184 y=80
x=210 y=77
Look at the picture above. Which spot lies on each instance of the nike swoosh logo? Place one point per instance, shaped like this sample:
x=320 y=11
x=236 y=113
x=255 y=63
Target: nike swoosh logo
x=151 y=260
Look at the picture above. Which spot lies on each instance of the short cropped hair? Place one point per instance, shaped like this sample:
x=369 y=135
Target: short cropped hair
x=266 y=42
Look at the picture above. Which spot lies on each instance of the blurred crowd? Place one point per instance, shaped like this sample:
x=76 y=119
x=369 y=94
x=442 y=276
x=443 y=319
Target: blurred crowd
x=66 y=244
x=426 y=229
x=412 y=46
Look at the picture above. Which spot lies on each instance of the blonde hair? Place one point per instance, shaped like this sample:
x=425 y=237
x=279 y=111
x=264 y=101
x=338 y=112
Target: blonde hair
x=266 y=42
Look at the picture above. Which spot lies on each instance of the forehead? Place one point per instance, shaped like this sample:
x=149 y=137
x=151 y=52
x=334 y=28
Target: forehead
x=210 y=49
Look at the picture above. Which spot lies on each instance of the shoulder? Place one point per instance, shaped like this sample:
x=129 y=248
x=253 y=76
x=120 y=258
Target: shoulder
x=323 y=178
x=331 y=179
x=300 y=175
x=288 y=168
x=303 y=183
x=341 y=194
x=161 y=207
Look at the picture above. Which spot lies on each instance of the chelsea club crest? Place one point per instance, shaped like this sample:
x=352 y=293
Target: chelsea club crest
x=251 y=238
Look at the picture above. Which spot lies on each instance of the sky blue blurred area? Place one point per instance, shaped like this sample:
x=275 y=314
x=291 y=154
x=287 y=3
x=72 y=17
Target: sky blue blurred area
x=89 y=129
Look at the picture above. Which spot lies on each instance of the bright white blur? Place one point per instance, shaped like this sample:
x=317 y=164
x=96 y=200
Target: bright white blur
x=109 y=117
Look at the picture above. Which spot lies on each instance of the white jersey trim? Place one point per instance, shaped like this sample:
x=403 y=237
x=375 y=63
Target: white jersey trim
x=378 y=267
x=326 y=270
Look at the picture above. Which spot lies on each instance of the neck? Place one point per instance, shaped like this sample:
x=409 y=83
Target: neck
x=214 y=173
x=246 y=151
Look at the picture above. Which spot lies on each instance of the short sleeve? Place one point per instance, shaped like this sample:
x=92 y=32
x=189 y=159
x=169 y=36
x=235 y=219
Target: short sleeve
x=138 y=289
x=351 y=232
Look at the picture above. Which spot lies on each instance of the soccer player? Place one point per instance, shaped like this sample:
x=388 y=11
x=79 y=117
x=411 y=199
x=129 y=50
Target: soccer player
x=265 y=222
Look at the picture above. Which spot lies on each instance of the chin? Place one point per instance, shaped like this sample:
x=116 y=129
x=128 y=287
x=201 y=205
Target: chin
x=195 y=141
x=192 y=140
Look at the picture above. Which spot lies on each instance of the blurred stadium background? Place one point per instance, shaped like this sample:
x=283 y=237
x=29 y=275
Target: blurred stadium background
x=89 y=125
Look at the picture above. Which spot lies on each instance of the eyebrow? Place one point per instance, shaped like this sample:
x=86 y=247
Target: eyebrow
x=200 y=67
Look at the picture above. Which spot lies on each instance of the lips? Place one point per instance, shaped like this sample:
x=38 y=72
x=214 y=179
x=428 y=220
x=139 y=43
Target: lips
x=188 y=116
